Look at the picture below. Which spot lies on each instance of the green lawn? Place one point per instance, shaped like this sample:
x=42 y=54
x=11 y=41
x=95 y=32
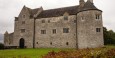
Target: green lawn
x=32 y=53
x=22 y=53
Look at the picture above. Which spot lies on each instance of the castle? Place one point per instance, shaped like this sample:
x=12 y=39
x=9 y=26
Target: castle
x=77 y=26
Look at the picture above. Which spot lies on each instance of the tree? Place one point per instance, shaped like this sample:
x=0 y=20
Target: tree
x=109 y=36
x=1 y=46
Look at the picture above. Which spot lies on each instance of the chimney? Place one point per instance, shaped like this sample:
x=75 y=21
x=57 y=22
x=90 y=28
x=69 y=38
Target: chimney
x=91 y=1
x=81 y=3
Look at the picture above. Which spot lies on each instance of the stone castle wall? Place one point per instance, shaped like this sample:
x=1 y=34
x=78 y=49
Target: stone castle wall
x=87 y=35
x=82 y=29
x=24 y=22
x=60 y=39
x=8 y=39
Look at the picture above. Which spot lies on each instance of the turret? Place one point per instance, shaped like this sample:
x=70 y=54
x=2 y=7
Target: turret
x=6 y=37
x=89 y=26
x=6 y=33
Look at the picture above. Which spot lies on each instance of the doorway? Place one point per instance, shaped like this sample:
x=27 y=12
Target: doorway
x=22 y=43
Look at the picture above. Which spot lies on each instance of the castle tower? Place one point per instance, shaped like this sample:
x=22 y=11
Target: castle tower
x=6 y=38
x=89 y=26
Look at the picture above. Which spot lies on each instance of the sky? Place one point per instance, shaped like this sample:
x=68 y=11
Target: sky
x=11 y=8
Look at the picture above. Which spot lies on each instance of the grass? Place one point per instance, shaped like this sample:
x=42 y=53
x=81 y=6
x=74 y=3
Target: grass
x=33 y=53
x=22 y=53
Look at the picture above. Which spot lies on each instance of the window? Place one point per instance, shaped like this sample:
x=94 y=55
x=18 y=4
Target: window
x=24 y=16
x=97 y=16
x=16 y=18
x=43 y=21
x=23 y=22
x=98 y=29
x=82 y=18
x=36 y=42
x=75 y=21
x=43 y=31
x=48 y=21
x=22 y=30
x=65 y=17
x=65 y=30
x=67 y=43
x=54 y=31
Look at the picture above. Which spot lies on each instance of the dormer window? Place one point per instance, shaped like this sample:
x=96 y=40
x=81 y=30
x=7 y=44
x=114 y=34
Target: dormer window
x=65 y=17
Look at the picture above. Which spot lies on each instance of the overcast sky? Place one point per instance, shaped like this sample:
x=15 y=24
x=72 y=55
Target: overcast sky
x=11 y=8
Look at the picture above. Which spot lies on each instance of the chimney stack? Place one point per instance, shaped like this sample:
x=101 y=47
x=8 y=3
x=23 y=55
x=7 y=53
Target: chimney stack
x=81 y=3
x=91 y=1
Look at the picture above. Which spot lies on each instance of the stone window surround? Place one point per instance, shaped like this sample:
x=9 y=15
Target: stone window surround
x=48 y=21
x=54 y=31
x=97 y=16
x=23 y=30
x=23 y=22
x=43 y=31
x=23 y=16
x=98 y=29
x=43 y=21
x=65 y=17
x=65 y=30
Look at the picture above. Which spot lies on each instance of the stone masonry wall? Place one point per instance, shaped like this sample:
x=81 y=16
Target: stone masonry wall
x=86 y=29
x=8 y=39
x=24 y=22
x=60 y=39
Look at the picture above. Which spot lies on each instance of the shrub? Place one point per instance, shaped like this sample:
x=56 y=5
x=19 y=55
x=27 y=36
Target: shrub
x=83 y=53
x=1 y=46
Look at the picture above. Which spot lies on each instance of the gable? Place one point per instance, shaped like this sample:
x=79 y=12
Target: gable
x=72 y=10
x=24 y=11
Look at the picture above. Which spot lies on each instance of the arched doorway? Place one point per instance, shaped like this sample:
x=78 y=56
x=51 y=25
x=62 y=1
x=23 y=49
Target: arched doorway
x=21 y=43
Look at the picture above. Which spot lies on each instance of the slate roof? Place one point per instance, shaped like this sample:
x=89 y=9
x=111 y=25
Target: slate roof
x=72 y=10
x=58 y=12
x=89 y=6
x=33 y=11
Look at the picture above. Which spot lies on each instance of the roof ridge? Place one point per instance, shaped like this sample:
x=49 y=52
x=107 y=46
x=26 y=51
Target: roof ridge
x=62 y=7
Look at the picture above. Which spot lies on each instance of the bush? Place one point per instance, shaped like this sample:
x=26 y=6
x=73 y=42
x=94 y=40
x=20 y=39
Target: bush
x=83 y=53
x=1 y=46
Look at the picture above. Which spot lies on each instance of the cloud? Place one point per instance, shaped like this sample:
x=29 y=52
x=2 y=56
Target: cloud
x=11 y=8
